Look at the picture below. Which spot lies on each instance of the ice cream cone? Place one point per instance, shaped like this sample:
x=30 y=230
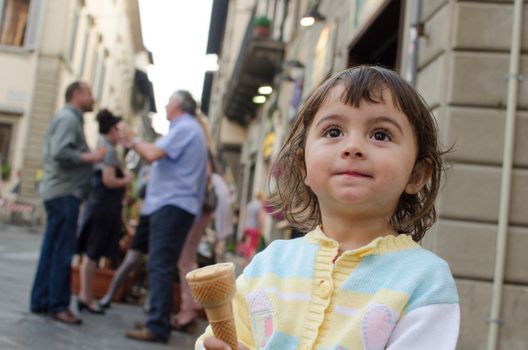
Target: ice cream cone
x=214 y=287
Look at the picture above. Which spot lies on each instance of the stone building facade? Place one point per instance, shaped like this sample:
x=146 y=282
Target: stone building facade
x=47 y=44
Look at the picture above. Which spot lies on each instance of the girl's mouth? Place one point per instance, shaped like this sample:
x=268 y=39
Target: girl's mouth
x=353 y=173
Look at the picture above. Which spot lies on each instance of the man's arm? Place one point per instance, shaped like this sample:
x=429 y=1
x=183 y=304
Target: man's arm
x=148 y=151
x=91 y=157
x=64 y=148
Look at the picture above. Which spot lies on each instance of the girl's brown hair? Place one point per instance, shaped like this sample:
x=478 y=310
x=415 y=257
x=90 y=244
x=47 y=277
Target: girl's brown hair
x=414 y=214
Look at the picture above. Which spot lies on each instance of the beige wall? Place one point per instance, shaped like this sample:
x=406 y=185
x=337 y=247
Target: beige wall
x=463 y=62
x=15 y=96
x=107 y=33
x=15 y=89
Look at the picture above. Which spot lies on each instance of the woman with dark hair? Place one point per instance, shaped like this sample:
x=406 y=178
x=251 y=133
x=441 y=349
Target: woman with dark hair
x=99 y=233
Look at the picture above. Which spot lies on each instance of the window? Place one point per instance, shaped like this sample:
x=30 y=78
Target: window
x=87 y=35
x=84 y=49
x=95 y=67
x=6 y=131
x=13 y=21
x=73 y=34
x=100 y=82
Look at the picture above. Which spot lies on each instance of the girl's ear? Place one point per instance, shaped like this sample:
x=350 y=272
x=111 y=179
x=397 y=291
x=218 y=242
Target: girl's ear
x=421 y=174
x=299 y=154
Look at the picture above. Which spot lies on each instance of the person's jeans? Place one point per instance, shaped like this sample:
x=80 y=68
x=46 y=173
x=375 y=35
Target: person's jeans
x=51 y=287
x=169 y=226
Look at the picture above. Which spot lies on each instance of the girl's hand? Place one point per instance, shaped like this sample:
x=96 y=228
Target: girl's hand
x=213 y=343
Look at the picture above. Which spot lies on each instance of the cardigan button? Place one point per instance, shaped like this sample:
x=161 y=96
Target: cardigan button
x=325 y=289
x=328 y=244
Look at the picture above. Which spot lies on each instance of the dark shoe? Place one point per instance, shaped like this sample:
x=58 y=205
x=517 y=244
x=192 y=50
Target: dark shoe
x=67 y=317
x=188 y=327
x=104 y=305
x=82 y=305
x=145 y=335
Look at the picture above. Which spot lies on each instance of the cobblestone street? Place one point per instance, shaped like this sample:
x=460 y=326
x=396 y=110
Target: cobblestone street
x=19 y=329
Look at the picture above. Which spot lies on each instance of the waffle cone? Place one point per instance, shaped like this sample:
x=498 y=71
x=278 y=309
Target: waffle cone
x=225 y=330
x=214 y=287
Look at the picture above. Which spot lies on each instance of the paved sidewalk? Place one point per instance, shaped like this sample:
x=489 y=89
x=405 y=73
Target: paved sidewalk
x=19 y=329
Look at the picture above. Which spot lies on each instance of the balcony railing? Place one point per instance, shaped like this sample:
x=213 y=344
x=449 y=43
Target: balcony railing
x=259 y=60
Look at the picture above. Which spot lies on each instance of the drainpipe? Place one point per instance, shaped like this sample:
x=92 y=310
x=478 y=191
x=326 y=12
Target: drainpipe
x=504 y=209
x=415 y=30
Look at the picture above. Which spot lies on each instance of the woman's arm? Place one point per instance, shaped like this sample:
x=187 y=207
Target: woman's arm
x=110 y=180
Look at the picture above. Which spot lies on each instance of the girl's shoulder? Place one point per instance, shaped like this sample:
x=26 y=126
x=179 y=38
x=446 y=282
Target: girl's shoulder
x=425 y=261
x=292 y=258
x=427 y=278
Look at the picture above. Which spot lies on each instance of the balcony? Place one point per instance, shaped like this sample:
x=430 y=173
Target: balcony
x=258 y=61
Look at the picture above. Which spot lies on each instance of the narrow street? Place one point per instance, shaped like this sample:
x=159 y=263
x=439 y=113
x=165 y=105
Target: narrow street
x=19 y=329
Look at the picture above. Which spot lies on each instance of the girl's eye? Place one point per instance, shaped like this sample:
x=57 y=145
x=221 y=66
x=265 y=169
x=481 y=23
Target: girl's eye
x=333 y=132
x=381 y=136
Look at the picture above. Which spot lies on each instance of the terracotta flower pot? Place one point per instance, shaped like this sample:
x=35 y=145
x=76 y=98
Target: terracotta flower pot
x=101 y=282
x=262 y=32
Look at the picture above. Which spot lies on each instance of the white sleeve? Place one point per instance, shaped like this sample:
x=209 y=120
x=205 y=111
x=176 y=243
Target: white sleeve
x=432 y=327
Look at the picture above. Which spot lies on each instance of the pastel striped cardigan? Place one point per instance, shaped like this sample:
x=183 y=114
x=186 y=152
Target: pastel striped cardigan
x=390 y=294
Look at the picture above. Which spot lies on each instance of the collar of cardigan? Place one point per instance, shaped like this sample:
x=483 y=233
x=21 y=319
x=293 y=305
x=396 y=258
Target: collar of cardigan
x=378 y=246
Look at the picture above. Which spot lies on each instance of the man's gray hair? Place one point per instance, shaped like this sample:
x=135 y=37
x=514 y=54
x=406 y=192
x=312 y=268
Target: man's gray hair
x=188 y=103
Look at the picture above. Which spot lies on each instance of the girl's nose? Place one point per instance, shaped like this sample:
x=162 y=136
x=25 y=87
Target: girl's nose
x=354 y=149
x=356 y=154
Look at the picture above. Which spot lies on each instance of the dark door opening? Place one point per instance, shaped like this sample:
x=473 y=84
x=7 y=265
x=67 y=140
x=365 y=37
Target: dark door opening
x=380 y=41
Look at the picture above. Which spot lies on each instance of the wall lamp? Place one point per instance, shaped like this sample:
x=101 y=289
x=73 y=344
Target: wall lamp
x=265 y=90
x=259 y=99
x=312 y=15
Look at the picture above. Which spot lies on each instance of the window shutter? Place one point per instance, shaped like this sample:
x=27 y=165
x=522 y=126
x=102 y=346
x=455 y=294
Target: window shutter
x=33 y=27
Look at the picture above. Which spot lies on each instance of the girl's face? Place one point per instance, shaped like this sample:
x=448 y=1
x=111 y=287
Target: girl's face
x=360 y=160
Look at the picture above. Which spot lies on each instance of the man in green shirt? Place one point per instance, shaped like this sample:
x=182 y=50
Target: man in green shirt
x=67 y=167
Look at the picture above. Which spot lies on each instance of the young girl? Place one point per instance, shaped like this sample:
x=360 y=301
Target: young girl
x=364 y=169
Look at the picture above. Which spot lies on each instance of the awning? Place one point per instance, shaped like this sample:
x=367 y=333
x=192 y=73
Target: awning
x=217 y=26
x=143 y=85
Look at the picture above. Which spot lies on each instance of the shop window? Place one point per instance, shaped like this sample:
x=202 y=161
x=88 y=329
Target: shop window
x=6 y=131
x=13 y=21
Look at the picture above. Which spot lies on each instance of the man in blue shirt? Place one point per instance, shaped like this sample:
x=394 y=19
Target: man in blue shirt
x=174 y=197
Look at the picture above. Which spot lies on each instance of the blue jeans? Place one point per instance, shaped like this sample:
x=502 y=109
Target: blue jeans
x=169 y=226
x=51 y=287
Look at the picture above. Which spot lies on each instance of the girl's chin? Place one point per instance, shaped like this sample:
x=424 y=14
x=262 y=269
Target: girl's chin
x=352 y=197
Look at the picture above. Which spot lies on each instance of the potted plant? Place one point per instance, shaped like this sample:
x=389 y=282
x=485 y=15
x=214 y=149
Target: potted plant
x=262 y=26
x=6 y=171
